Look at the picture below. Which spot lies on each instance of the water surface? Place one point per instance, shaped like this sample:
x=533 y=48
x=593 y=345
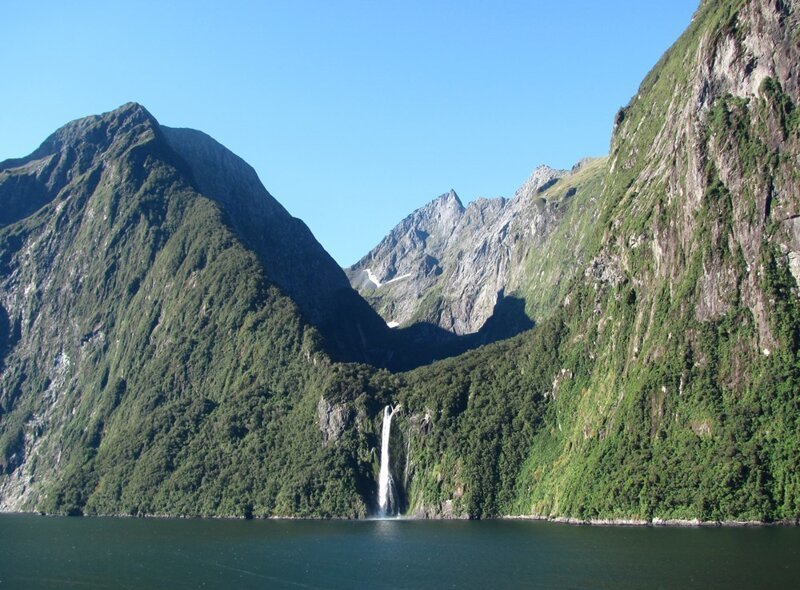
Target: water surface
x=51 y=552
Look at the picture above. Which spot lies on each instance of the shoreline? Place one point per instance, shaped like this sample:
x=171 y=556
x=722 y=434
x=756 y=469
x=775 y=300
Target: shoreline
x=654 y=523
x=562 y=520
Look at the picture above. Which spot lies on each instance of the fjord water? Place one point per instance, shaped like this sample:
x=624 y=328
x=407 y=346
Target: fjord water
x=56 y=552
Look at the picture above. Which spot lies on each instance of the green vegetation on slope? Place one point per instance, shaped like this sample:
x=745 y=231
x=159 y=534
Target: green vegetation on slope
x=672 y=388
x=550 y=270
x=169 y=376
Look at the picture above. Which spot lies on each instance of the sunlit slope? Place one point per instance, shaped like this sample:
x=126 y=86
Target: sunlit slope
x=665 y=384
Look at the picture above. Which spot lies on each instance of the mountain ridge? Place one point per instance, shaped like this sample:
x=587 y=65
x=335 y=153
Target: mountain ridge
x=305 y=271
x=458 y=263
x=133 y=307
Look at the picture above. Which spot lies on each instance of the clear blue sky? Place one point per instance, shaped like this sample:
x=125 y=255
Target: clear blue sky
x=353 y=113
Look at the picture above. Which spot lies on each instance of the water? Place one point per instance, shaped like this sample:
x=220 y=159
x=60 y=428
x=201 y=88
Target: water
x=387 y=504
x=50 y=552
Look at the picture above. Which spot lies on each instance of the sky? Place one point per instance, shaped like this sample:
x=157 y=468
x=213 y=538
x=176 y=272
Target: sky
x=353 y=113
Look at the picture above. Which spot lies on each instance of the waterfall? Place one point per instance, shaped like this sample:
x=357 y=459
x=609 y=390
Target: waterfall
x=408 y=460
x=387 y=497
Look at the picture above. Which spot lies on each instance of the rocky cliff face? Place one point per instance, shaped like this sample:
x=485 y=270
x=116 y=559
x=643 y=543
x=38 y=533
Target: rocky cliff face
x=453 y=266
x=717 y=185
x=686 y=319
x=410 y=255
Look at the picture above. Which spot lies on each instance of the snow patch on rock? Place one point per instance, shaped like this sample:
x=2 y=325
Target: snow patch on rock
x=378 y=283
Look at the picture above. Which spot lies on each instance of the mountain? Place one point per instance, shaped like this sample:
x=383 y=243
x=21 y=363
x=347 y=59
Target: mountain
x=664 y=385
x=290 y=255
x=156 y=306
x=158 y=355
x=445 y=263
x=456 y=267
x=409 y=255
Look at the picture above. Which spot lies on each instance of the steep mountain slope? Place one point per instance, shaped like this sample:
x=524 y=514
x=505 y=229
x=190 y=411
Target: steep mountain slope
x=666 y=385
x=410 y=256
x=149 y=363
x=456 y=267
x=287 y=249
x=289 y=253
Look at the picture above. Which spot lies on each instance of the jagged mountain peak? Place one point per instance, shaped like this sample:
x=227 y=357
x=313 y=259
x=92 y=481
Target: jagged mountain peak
x=447 y=205
x=130 y=118
x=451 y=265
x=542 y=178
x=425 y=228
x=449 y=198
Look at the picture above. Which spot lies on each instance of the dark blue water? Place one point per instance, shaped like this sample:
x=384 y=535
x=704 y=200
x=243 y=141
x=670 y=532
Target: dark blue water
x=46 y=552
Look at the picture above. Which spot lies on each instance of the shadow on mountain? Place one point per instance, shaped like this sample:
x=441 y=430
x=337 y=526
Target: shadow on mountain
x=353 y=332
x=508 y=319
x=22 y=194
x=423 y=343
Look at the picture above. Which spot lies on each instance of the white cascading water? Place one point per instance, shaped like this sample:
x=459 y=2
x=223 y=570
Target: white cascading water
x=387 y=503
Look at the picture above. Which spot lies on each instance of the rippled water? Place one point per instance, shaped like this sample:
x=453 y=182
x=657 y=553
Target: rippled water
x=48 y=552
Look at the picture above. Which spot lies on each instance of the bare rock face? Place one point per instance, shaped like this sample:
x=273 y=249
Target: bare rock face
x=408 y=260
x=604 y=271
x=333 y=419
x=791 y=245
x=720 y=158
x=450 y=265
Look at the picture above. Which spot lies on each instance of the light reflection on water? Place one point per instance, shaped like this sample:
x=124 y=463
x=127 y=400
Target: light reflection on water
x=38 y=552
x=390 y=528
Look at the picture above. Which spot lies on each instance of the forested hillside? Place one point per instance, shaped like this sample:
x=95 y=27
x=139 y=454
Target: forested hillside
x=666 y=384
